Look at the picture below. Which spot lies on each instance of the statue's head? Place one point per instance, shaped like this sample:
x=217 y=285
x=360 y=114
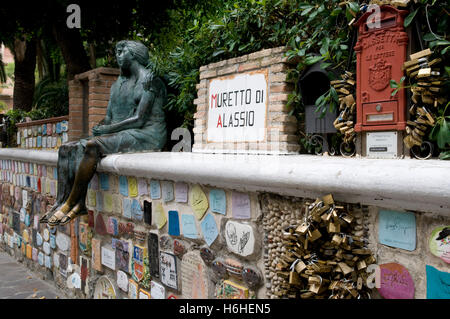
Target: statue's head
x=127 y=51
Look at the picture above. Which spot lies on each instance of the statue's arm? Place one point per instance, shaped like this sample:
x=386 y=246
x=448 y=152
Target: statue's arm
x=97 y=129
x=135 y=121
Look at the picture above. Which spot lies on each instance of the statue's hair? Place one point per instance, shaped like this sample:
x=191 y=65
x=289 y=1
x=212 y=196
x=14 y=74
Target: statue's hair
x=137 y=49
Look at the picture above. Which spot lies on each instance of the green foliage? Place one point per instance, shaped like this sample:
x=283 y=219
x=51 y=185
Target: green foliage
x=207 y=32
x=329 y=98
x=50 y=98
x=441 y=133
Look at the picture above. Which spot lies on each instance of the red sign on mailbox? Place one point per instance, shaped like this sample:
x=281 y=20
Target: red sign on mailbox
x=380 y=52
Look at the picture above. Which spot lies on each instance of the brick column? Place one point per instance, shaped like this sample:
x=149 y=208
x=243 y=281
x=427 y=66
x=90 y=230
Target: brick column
x=88 y=100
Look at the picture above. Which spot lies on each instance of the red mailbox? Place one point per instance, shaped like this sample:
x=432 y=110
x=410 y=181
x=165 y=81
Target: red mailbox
x=380 y=54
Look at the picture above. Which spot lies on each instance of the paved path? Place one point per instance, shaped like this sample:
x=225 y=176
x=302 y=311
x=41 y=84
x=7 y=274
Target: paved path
x=18 y=282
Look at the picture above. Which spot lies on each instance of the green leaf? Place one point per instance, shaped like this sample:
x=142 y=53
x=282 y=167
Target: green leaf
x=443 y=136
x=336 y=12
x=305 y=12
x=434 y=132
x=429 y=37
x=394 y=92
x=320 y=99
x=409 y=18
x=218 y=52
x=354 y=6
x=444 y=155
x=312 y=59
x=445 y=50
x=334 y=94
x=393 y=84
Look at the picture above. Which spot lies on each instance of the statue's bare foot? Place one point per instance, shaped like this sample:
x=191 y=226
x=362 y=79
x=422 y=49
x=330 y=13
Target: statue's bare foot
x=60 y=213
x=78 y=210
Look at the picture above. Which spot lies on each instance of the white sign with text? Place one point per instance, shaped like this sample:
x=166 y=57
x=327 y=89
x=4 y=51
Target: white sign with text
x=237 y=108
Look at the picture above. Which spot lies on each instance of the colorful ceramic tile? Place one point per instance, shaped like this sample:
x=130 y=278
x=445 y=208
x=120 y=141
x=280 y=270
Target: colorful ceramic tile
x=167 y=191
x=91 y=198
x=188 y=226
x=158 y=215
x=143 y=294
x=104 y=181
x=99 y=201
x=122 y=280
x=122 y=255
x=137 y=265
x=153 y=254
x=113 y=226
x=142 y=187
x=240 y=204
x=231 y=290
x=63 y=263
x=85 y=237
x=439 y=243
x=126 y=204
x=104 y=289
x=53 y=241
x=181 y=192
x=438 y=283
x=395 y=282
x=147 y=212
x=108 y=202
x=132 y=187
x=174 y=223
x=199 y=201
x=132 y=289
x=155 y=189
x=58 y=128
x=194 y=277
x=397 y=229
x=64 y=126
x=96 y=254
x=157 y=291
x=239 y=238
x=168 y=270
x=93 y=184
x=123 y=185
x=136 y=210
x=218 y=201
x=62 y=241
x=108 y=257
x=48 y=262
x=100 y=227
x=209 y=229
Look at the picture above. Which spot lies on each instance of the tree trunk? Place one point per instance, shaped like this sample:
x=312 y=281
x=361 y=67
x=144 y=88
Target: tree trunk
x=75 y=57
x=25 y=64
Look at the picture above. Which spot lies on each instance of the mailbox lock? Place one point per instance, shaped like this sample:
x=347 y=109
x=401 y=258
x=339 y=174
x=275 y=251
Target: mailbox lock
x=378 y=107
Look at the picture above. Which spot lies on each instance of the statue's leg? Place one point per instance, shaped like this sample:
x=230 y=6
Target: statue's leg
x=77 y=196
x=65 y=176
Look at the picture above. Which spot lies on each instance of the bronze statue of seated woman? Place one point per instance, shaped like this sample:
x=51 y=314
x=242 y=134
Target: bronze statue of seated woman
x=134 y=121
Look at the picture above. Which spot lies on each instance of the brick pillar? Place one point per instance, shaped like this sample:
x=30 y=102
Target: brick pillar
x=281 y=128
x=88 y=100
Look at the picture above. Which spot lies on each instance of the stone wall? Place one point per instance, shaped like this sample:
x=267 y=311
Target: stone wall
x=182 y=222
x=281 y=127
x=222 y=242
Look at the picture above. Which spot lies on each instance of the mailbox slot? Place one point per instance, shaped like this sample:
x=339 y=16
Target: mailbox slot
x=376 y=113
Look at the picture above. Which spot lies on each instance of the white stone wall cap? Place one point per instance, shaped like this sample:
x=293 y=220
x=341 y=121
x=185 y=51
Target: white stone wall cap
x=403 y=184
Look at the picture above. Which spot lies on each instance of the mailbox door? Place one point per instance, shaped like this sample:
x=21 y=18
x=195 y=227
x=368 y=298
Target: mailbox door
x=380 y=113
